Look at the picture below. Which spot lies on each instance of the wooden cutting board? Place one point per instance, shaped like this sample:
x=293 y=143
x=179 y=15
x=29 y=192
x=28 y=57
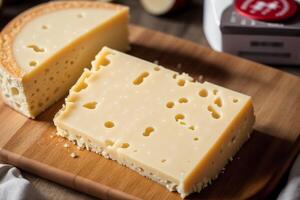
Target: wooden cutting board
x=32 y=145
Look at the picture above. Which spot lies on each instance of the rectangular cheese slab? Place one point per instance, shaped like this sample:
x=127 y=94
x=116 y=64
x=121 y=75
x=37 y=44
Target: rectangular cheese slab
x=45 y=49
x=162 y=124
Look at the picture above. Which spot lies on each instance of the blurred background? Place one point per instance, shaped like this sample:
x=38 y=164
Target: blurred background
x=185 y=23
x=183 y=19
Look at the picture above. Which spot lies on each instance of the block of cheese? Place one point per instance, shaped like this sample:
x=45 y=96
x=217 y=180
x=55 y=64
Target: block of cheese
x=162 y=124
x=44 y=50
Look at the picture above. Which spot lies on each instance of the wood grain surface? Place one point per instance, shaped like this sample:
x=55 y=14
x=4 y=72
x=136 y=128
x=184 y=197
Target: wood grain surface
x=32 y=146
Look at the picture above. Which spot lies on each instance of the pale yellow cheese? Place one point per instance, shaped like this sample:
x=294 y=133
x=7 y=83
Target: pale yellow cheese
x=157 y=122
x=49 y=33
x=44 y=56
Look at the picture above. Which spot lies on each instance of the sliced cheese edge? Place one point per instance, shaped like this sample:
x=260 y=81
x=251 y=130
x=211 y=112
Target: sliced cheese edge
x=47 y=53
x=160 y=123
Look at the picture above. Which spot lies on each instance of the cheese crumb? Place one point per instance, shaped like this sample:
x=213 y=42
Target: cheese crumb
x=179 y=66
x=66 y=145
x=79 y=148
x=73 y=155
x=201 y=78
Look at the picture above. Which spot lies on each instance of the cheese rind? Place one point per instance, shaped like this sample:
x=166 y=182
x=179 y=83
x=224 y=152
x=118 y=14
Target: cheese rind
x=44 y=50
x=155 y=121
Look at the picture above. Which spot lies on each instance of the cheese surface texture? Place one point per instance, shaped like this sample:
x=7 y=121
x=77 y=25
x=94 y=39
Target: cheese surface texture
x=44 y=50
x=162 y=124
x=47 y=34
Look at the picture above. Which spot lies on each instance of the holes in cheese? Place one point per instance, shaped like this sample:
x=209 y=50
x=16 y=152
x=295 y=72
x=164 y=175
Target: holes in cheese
x=182 y=123
x=170 y=104
x=163 y=160
x=181 y=82
x=80 y=15
x=196 y=139
x=215 y=91
x=213 y=112
x=40 y=104
x=183 y=100
x=90 y=105
x=125 y=145
x=32 y=63
x=148 y=131
x=221 y=150
x=140 y=78
x=235 y=100
x=14 y=91
x=103 y=60
x=56 y=90
x=36 y=48
x=68 y=75
x=45 y=27
x=218 y=102
x=71 y=99
x=203 y=93
x=179 y=117
x=82 y=85
x=53 y=80
x=109 y=124
x=156 y=68
x=109 y=143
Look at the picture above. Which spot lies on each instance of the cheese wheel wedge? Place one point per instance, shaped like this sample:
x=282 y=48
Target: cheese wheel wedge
x=162 y=124
x=44 y=50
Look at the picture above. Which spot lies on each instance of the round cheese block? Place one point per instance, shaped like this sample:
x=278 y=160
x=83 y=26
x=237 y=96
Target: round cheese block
x=44 y=50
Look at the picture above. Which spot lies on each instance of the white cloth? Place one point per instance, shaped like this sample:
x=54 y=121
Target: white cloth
x=14 y=187
x=292 y=190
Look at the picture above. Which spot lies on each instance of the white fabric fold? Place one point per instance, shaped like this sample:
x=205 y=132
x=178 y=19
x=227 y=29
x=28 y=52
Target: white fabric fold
x=14 y=187
x=292 y=189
